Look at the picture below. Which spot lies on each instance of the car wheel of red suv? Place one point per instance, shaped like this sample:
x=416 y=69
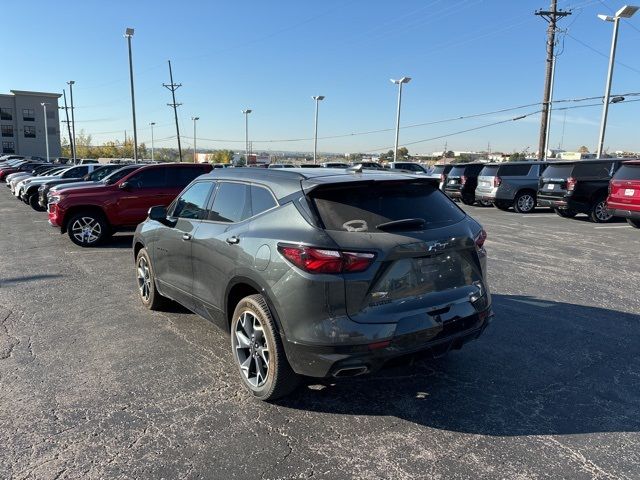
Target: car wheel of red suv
x=258 y=351
x=87 y=229
x=634 y=223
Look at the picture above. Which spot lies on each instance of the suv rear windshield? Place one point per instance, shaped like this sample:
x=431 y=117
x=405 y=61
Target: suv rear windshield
x=594 y=170
x=628 y=172
x=558 y=171
x=457 y=171
x=490 y=171
x=438 y=169
x=360 y=207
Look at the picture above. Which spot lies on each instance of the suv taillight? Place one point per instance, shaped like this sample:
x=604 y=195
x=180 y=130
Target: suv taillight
x=571 y=184
x=463 y=180
x=497 y=181
x=320 y=260
x=442 y=177
x=480 y=238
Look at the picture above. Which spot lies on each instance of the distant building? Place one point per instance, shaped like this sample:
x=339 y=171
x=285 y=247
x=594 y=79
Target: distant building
x=576 y=156
x=22 y=123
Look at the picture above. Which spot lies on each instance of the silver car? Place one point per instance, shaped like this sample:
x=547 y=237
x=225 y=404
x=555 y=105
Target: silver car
x=510 y=185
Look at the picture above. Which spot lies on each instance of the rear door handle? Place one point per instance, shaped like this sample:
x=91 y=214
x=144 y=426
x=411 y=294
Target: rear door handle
x=233 y=240
x=186 y=236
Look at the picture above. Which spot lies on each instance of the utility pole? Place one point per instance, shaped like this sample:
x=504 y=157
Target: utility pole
x=66 y=111
x=73 y=122
x=173 y=87
x=551 y=16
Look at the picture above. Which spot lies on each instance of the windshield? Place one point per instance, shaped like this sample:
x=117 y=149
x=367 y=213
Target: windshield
x=628 y=172
x=558 y=171
x=363 y=206
x=489 y=171
x=457 y=171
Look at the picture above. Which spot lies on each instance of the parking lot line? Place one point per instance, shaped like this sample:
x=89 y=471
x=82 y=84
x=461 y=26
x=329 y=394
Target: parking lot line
x=612 y=226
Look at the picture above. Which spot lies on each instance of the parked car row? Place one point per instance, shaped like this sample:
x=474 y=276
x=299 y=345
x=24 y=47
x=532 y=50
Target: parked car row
x=90 y=202
x=601 y=189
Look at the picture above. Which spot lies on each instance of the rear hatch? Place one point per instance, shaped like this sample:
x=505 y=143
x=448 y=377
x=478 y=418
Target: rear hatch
x=426 y=258
x=454 y=179
x=553 y=183
x=625 y=188
x=486 y=178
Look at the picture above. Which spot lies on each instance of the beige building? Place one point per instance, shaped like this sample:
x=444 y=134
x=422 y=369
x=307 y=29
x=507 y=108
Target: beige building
x=22 y=125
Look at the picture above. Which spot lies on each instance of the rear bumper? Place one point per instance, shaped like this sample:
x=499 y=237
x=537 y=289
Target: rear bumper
x=623 y=213
x=323 y=361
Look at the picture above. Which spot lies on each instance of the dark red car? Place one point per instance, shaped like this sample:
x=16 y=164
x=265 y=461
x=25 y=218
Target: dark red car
x=624 y=193
x=91 y=214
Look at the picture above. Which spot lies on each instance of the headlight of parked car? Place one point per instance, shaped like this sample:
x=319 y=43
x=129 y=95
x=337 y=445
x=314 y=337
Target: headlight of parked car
x=54 y=198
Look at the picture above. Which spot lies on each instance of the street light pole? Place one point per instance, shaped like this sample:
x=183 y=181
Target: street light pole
x=317 y=99
x=194 y=138
x=73 y=123
x=152 y=124
x=625 y=12
x=46 y=130
x=246 y=113
x=548 y=131
x=399 y=82
x=128 y=34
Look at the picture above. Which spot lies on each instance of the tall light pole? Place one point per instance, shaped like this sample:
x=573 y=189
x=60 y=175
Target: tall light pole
x=317 y=99
x=151 y=124
x=46 y=129
x=625 y=12
x=400 y=82
x=128 y=34
x=195 y=119
x=548 y=131
x=73 y=123
x=246 y=113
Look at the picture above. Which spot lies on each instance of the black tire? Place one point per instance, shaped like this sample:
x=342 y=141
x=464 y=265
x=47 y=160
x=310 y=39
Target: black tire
x=146 y=280
x=634 y=223
x=485 y=203
x=503 y=205
x=565 y=213
x=525 y=202
x=468 y=199
x=250 y=355
x=599 y=212
x=88 y=228
x=34 y=201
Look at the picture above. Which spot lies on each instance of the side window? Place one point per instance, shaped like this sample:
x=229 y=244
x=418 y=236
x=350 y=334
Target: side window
x=152 y=178
x=182 y=176
x=192 y=203
x=516 y=170
x=232 y=203
x=261 y=200
x=76 y=172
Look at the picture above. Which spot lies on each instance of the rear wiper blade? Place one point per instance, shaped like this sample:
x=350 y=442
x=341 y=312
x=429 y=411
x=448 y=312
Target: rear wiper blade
x=405 y=222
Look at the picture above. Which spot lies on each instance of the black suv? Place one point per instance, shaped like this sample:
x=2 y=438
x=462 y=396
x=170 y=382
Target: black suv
x=578 y=187
x=462 y=182
x=317 y=272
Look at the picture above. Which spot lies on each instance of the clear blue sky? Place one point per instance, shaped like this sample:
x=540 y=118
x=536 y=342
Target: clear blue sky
x=465 y=57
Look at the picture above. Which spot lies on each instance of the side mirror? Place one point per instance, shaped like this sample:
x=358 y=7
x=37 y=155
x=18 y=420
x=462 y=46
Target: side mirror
x=125 y=186
x=158 y=213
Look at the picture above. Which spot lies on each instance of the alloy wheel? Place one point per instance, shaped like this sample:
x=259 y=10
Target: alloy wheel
x=86 y=230
x=602 y=213
x=144 y=278
x=252 y=349
x=526 y=203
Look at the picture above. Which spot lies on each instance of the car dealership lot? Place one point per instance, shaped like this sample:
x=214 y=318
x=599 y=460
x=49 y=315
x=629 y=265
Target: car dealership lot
x=93 y=385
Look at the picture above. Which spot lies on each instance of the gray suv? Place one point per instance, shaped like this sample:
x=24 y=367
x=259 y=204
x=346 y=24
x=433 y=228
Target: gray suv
x=315 y=272
x=508 y=185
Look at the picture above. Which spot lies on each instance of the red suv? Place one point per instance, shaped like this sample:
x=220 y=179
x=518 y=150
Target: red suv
x=91 y=214
x=624 y=193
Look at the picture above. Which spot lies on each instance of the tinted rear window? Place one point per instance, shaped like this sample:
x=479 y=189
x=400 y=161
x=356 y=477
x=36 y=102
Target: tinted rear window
x=628 y=172
x=438 y=169
x=457 y=171
x=361 y=207
x=595 y=170
x=558 y=171
x=489 y=171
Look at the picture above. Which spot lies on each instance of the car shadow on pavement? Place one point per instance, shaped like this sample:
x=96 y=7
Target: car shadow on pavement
x=541 y=368
x=118 y=241
x=27 y=278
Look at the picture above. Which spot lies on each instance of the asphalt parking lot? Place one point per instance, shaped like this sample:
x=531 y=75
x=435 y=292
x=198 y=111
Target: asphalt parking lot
x=93 y=385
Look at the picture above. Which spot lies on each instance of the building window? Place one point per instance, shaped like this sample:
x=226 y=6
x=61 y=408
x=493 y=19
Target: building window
x=5 y=114
x=28 y=115
x=7 y=130
x=29 y=132
x=8 y=147
x=51 y=114
x=52 y=131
